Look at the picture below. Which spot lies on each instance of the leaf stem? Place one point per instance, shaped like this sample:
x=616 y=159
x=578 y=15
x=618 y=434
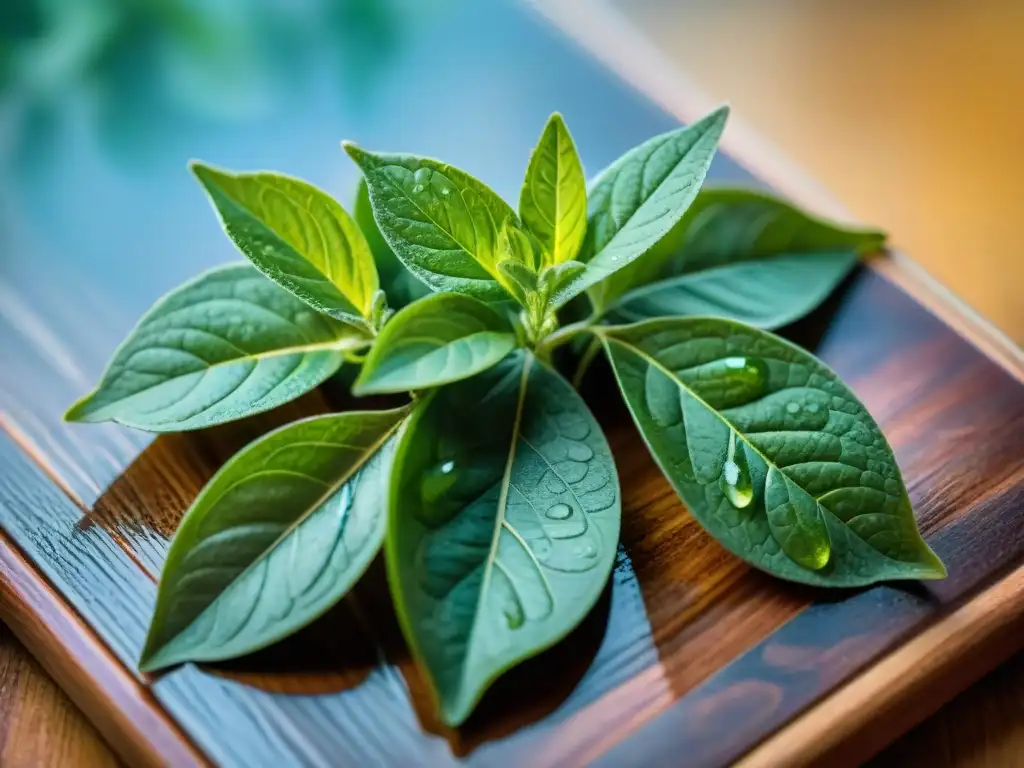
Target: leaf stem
x=562 y=336
x=592 y=351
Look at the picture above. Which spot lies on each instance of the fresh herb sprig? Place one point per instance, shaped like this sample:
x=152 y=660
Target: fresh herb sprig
x=493 y=493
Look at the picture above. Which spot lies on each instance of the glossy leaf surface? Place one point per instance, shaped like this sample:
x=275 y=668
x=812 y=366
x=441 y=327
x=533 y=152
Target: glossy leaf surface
x=298 y=236
x=771 y=452
x=442 y=223
x=224 y=345
x=553 y=201
x=728 y=226
x=437 y=340
x=276 y=538
x=400 y=285
x=767 y=293
x=637 y=200
x=503 y=527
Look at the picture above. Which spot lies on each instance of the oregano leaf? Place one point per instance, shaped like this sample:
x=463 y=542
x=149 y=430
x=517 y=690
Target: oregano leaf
x=553 y=200
x=503 y=525
x=640 y=197
x=442 y=223
x=400 y=285
x=276 y=537
x=768 y=293
x=728 y=226
x=227 y=344
x=771 y=452
x=437 y=340
x=298 y=236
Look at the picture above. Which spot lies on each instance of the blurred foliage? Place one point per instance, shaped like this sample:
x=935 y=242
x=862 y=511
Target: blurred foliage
x=139 y=67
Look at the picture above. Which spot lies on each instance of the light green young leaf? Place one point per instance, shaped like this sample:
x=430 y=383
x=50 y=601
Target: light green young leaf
x=640 y=197
x=298 y=236
x=503 y=525
x=400 y=285
x=553 y=201
x=519 y=279
x=441 y=222
x=727 y=226
x=519 y=245
x=441 y=338
x=227 y=344
x=767 y=293
x=771 y=452
x=277 y=537
x=556 y=276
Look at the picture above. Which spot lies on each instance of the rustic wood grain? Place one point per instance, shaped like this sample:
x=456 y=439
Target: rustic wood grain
x=689 y=650
x=39 y=726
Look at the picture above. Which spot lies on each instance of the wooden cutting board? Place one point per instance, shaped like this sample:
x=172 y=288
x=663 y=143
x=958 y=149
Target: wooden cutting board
x=691 y=656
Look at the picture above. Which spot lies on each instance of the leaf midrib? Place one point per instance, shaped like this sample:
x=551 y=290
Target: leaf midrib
x=673 y=377
x=500 y=519
x=264 y=186
x=368 y=452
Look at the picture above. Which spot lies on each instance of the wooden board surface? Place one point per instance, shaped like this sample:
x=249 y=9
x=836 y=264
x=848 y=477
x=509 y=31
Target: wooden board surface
x=690 y=651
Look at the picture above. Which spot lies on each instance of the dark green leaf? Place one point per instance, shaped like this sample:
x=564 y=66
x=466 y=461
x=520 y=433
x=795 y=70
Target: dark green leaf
x=771 y=452
x=641 y=196
x=436 y=340
x=400 y=285
x=553 y=201
x=298 y=236
x=277 y=537
x=767 y=293
x=728 y=226
x=225 y=345
x=503 y=525
x=441 y=222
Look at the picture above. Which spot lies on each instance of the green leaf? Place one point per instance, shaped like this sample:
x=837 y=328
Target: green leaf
x=503 y=525
x=277 y=537
x=442 y=223
x=438 y=339
x=224 y=345
x=556 y=276
x=771 y=452
x=766 y=293
x=521 y=246
x=553 y=201
x=641 y=196
x=400 y=285
x=520 y=280
x=298 y=236
x=727 y=226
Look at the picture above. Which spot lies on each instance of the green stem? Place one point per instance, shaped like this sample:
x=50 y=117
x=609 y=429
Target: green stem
x=593 y=349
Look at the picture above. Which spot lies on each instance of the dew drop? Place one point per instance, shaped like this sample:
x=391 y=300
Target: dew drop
x=792 y=407
x=446 y=191
x=559 y=512
x=615 y=258
x=735 y=480
x=580 y=452
x=812 y=408
x=437 y=481
x=554 y=485
x=417 y=189
x=585 y=550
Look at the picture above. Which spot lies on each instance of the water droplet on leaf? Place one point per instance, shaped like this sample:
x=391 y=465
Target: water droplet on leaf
x=580 y=452
x=559 y=512
x=437 y=481
x=585 y=550
x=792 y=407
x=735 y=480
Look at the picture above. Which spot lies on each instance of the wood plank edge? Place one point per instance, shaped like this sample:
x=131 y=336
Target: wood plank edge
x=907 y=686
x=609 y=35
x=119 y=706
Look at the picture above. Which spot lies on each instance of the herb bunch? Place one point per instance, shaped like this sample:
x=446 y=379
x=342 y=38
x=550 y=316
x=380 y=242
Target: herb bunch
x=493 y=492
